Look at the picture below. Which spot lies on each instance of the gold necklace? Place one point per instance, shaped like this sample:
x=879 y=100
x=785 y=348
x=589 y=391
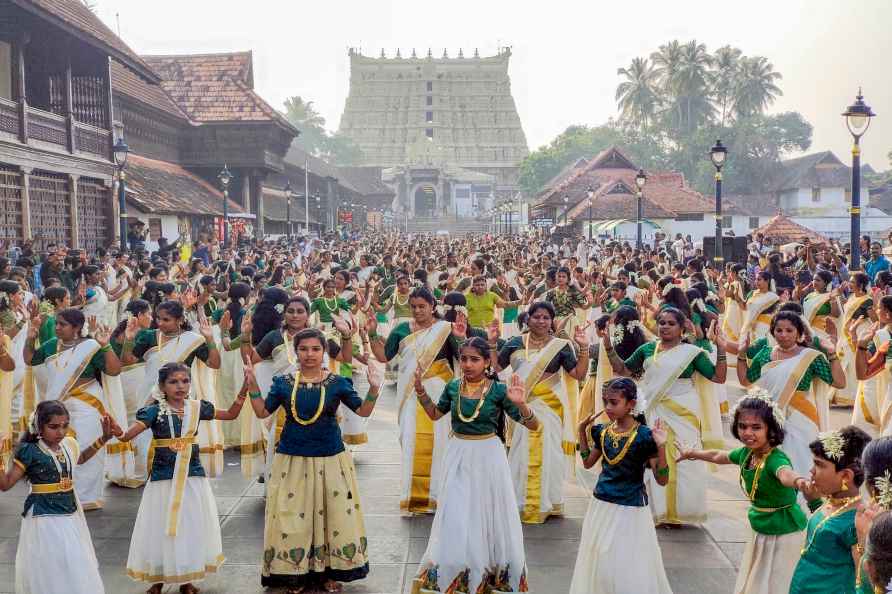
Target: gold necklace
x=330 y=308
x=321 y=406
x=632 y=433
x=480 y=401
x=396 y=299
x=758 y=473
x=847 y=503
x=537 y=345
x=616 y=436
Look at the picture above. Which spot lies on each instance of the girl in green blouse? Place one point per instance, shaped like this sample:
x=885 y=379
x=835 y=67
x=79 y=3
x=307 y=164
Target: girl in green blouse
x=769 y=482
x=828 y=556
x=875 y=564
x=476 y=542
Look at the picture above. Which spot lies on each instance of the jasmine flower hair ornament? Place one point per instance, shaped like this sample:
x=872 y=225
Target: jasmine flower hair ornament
x=883 y=485
x=833 y=444
x=764 y=396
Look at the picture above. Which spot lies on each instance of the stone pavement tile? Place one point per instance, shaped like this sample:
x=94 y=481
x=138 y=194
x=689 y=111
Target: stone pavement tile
x=12 y=505
x=682 y=534
x=7 y=578
x=248 y=506
x=243 y=551
x=243 y=527
x=727 y=521
x=229 y=579
x=112 y=490
x=547 y=552
x=382 y=579
x=374 y=504
x=733 y=551
x=116 y=507
x=388 y=549
x=112 y=551
x=554 y=529
x=575 y=507
x=225 y=505
x=8 y=548
x=368 y=467
x=417 y=547
x=694 y=556
x=421 y=525
x=379 y=486
x=114 y=577
x=110 y=527
x=9 y=525
x=549 y=579
x=231 y=485
x=701 y=581
x=389 y=525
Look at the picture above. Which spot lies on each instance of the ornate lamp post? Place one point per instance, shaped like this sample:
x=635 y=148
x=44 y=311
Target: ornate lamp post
x=121 y=150
x=857 y=117
x=717 y=154
x=225 y=176
x=289 y=194
x=640 y=180
x=590 y=192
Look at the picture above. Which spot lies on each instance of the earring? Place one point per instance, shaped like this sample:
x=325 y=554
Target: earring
x=845 y=485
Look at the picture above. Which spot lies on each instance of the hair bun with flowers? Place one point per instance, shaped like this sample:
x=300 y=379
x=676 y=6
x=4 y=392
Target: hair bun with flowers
x=32 y=423
x=834 y=445
x=883 y=485
x=763 y=395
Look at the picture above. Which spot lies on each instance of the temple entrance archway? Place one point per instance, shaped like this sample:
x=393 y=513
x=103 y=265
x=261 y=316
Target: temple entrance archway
x=425 y=200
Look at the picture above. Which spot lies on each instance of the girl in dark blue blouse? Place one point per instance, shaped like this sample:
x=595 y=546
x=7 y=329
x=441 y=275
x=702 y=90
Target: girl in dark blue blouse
x=619 y=514
x=314 y=532
x=54 y=543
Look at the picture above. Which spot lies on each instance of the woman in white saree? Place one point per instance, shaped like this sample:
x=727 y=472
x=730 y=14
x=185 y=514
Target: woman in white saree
x=540 y=459
x=673 y=383
x=78 y=371
x=796 y=378
x=759 y=306
x=873 y=409
x=821 y=305
x=734 y=293
x=431 y=344
x=172 y=342
x=856 y=318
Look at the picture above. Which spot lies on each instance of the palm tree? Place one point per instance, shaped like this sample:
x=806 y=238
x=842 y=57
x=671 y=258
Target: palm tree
x=666 y=62
x=756 y=88
x=637 y=96
x=724 y=78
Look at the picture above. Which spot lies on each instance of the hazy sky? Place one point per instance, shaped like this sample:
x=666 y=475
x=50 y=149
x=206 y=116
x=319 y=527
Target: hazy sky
x=565 y=54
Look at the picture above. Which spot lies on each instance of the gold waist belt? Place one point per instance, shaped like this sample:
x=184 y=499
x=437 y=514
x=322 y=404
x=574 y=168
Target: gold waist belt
x=474 y=437
x=177 y=444
x=63 y=486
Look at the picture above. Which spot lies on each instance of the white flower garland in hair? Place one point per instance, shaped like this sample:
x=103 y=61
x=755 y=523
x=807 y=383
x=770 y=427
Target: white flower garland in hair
x=883 y=486
x=763 y=395
x=617 y=333
x=667 y=288
x=32 y=423
x=460 y=309
x=833 y=443
x=280 y=308
x=640 y=406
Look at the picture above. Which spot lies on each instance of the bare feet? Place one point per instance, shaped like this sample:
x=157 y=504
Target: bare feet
x=155 y=589
x=332 y=586
x=188 y=589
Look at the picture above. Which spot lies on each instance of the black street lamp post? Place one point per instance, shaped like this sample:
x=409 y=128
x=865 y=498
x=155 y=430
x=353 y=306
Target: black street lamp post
x=857 y=117
x=289 y=194
x=718 y=154
x=640 y=180
x=225 y=177
x=121 y=150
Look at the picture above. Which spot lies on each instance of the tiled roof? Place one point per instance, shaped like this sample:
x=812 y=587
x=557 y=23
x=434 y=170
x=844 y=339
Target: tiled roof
x=215 y=87
x=77 y=19
x=367 y=180
x=751 y=205
x=566 y=172
x=164 y=188
x=784 y=230
x=124 y=81
x=820 y=170
x=612 y=175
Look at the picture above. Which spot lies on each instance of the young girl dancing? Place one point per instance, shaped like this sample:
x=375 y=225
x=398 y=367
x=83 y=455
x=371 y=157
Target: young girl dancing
x=176 y=538
x=876 y=558
x=827 y=563
x=55 y=549
x=618 y=524
x=476 y=542
x=769 y=482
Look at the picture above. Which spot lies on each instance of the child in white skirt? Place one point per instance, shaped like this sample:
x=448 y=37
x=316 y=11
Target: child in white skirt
x=618 y=525
x=55 y=550
x=176 y=538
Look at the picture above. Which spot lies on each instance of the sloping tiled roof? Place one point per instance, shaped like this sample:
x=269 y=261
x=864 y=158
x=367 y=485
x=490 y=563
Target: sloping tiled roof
x=77 y=19
x=611 y=175
x=124 y=81
x=752 y=205
x=164 y=188
x=783 y=230
x=367 y=180
x=820 y=170
x=566 y=172
x=215 y=87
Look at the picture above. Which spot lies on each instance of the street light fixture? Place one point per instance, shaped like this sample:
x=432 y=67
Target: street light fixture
x=590 y=192
x=120 y=151
x=640 y=180
x=857 y=117
x=225 y=176
x=289 y=194
x=718 y=154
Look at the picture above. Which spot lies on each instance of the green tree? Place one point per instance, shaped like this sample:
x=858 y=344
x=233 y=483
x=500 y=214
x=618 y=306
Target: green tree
x=756 y=88
x=637 y=96
x=724 y=80
x=315 y=139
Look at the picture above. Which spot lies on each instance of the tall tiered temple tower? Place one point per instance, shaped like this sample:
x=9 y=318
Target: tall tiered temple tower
x=445 y=130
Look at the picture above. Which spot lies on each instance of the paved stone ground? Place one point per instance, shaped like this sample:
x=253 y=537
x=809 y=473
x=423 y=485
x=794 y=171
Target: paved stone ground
x=697 y=560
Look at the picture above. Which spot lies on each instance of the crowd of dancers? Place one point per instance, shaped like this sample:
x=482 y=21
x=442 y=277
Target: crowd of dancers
x=519 y=363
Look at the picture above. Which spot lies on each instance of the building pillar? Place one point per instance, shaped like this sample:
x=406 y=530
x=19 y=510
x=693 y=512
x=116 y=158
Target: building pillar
x=20 y=87
x=69 y=106
x=333 y=203
x=116 y=212
x=246 y=192
x=26 y=203
x=75 y=224
x=257 y=191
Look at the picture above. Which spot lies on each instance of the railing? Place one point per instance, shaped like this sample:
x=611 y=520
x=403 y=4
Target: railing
x=51 y=128
x=47 y=127
x=9 y=117
x=89 y=139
